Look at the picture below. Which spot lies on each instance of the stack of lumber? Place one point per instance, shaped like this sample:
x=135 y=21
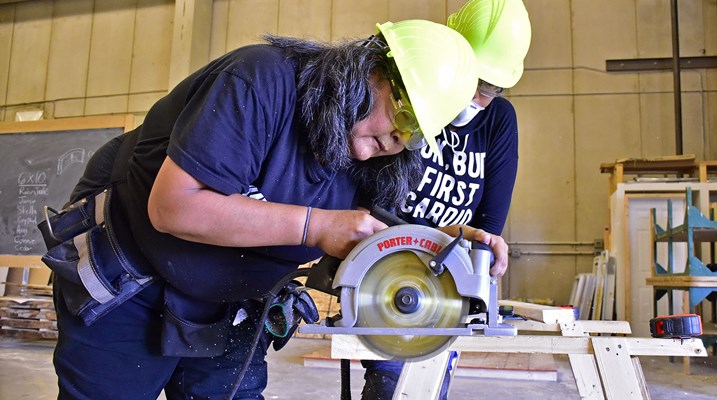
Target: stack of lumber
x=593 y=294
x=28 y=317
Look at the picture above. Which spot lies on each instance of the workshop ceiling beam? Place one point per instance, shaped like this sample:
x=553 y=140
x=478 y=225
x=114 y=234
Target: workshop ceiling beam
x=656 y=64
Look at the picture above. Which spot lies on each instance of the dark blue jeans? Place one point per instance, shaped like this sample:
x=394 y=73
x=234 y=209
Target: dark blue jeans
x=118 y=357
x=382 y=377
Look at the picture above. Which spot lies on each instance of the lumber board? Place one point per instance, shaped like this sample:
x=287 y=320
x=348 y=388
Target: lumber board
x=27 y=323
x=587 y=378
x=666 y=347
x=541 y=313
x=25 y=302
x=28 y=333
x=534 y=367
x=601 y=275
x=584 y=367
x=619 y=377
x=31 y=313
x=578 y=345
x=640 y=378
x=21 y=261
x=617 y=327
x=674 y=281
x=349 y=346
x=420 y=377
x=533 y=326
x=524 y=344
x=609 y=297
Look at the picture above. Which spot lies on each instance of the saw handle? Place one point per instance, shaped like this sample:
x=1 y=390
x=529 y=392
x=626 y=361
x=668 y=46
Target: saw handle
x=482 y=257
x=386 y=217
x=483 y=246
x=321 y=276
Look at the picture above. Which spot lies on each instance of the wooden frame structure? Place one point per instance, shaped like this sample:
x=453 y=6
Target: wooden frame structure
x=605 y=367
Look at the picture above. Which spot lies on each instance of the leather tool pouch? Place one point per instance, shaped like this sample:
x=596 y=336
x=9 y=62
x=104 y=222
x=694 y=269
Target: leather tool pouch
x=84 y=252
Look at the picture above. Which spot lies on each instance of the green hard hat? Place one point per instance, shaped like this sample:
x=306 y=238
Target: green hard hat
x=499 y=32
x=438 y=70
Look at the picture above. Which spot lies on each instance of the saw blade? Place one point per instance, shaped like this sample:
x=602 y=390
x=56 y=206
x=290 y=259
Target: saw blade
x=400 y=291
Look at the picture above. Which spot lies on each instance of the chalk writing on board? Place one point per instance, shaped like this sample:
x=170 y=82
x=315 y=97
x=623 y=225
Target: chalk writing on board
x=74 y=156
x=39 y=169
x=32 y=191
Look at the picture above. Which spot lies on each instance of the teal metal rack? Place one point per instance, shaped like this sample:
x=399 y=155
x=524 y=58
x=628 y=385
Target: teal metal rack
x=697 y=278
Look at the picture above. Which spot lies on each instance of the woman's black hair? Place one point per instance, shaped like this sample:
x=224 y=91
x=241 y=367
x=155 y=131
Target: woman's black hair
x=335 y=92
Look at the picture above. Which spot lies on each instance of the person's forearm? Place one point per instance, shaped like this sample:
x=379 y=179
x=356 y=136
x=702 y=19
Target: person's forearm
x=184 y=207
x=234 y=221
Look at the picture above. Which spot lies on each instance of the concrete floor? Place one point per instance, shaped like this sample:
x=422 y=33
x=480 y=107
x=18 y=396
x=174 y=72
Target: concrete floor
x=26 y=373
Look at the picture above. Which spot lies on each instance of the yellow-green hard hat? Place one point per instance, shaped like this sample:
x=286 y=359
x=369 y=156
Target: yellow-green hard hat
x=499 y=32
x=438 y=69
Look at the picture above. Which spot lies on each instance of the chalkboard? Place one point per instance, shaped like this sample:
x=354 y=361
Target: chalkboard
x=40 y=163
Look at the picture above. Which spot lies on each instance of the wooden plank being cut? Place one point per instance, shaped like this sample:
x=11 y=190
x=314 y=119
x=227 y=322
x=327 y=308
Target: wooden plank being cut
x=541 y=313
x=350 y=347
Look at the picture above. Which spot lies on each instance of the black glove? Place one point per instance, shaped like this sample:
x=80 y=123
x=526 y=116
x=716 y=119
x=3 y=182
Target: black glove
x=287 y=309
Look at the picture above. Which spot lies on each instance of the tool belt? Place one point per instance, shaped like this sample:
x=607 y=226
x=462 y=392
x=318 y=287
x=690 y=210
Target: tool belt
x=83 y=251
x=224 y=328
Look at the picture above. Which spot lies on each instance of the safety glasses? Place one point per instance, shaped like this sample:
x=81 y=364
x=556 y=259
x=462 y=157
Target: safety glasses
x=488 y=90
x=404 y=120
x=403 y=117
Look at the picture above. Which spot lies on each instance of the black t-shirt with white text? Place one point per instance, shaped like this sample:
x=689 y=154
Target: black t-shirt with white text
x=471 y=181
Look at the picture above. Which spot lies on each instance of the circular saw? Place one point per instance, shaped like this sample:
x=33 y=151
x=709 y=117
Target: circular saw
x=409 y=291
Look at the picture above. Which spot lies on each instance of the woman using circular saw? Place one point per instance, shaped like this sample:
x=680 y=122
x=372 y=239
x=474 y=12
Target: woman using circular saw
x=244 y=171
x=469 y=183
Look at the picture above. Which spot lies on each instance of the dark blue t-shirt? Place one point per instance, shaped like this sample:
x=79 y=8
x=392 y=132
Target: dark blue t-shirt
x=471 y=181
x=233 y=126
